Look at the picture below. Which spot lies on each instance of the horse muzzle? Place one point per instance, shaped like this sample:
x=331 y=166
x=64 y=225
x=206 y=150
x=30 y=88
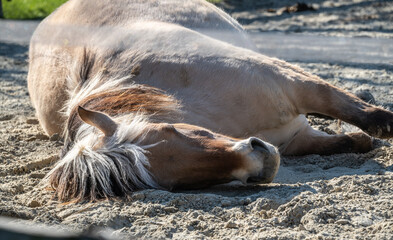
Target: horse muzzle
x=262 y=161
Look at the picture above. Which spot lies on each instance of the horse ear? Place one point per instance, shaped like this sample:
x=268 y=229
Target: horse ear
x=98 y=120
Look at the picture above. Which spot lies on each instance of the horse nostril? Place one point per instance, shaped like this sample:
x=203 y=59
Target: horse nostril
x=258 y=144
x=255 y=179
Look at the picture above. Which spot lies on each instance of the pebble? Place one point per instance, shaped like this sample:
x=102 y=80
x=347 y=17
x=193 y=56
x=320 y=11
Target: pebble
x=194 y=222
x=194 y=214
x=149 y=211
x=34 y=204
x=12 y=138
x=190 y=228
x=138 y=196
x=38 y=136
x=246 y=201
x=55 y=137
x=6 y=117
x=343 y=221
x=366 y=222
x=225 y=203
x=170 y=209
x=32 y=121
x=37 y=175
x=41 y=136
x=18 y=188
x=230 y=224
x=338 y=189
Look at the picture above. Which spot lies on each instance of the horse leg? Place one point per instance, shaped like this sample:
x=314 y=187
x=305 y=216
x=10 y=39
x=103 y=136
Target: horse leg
x=316 y=96
x=311 y=141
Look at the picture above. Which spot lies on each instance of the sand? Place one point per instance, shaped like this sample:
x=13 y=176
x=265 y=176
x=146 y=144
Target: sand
x=312 y=197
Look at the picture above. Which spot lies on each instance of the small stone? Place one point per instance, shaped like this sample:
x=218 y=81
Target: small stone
x=138 y=196
x=37 y=175
x=343 y=222
x=34 y=204
x=55 y=137
x=246 y=201
x=190 y=228
x=41 y=136
x=6 y=117
x=194 y=222
x=230 y=224
x=19 y=188
x=170 y=209
x=366 y=222
x=32 y=121
x=338 y=189
x=194 y=214
x=12 y=138
x=150 y=211
x=225 y=203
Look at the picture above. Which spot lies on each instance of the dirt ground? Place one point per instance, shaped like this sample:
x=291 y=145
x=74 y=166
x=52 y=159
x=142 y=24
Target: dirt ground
x=313 y=197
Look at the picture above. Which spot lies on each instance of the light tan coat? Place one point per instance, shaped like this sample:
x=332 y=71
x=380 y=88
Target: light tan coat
x=203 y=59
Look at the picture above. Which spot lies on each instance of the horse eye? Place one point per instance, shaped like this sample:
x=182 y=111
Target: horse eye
x=203 y=133
x=168 y=128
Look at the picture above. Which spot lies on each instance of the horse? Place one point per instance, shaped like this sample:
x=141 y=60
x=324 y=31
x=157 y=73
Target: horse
x=173 y=94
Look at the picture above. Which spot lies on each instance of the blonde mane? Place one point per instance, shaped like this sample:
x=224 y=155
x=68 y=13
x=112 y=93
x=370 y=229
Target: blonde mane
x=97 y=167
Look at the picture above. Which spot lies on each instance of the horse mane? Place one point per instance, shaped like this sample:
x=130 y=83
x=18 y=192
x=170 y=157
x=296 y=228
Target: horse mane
x=91 y=166
x=94 y=167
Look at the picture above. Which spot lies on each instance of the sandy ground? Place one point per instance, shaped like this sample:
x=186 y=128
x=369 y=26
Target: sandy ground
x=313 y=197
x=352 y=18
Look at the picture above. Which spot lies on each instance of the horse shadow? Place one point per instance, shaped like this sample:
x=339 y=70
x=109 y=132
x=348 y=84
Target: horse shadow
x=13 y=50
